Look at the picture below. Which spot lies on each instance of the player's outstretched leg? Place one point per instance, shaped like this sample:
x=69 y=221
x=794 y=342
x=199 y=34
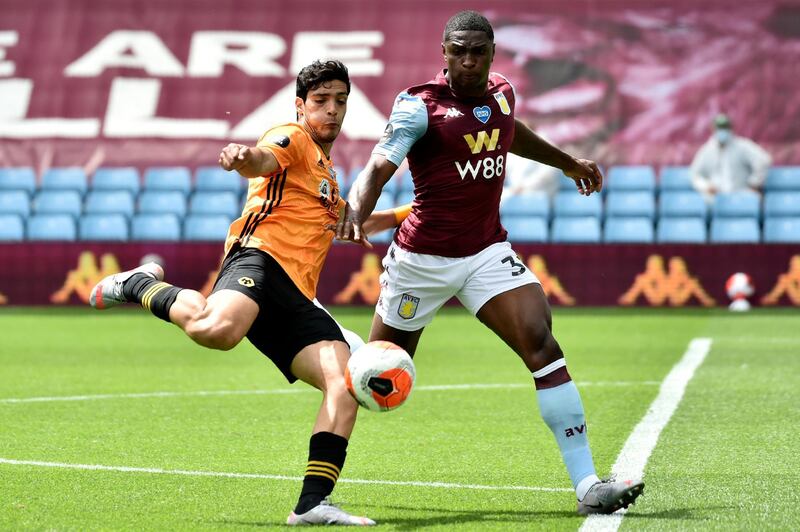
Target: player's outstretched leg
x=320 y=365
x=109 y=292
x=609 y=495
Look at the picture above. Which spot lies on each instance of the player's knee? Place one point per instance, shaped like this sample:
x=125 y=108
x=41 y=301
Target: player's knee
x=541 y=348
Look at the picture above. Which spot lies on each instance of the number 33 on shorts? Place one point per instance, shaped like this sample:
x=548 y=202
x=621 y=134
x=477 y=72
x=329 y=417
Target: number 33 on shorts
x=518 y=267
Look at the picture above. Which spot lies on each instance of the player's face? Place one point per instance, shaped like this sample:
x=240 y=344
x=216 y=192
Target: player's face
x=469 y=56
x=323 y=110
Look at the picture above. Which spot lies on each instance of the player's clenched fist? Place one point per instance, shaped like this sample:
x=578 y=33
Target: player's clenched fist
x=235 y=156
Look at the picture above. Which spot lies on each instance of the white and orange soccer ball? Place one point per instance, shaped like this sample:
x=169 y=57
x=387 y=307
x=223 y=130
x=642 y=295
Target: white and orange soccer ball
x=380 y=376
x=739 y=287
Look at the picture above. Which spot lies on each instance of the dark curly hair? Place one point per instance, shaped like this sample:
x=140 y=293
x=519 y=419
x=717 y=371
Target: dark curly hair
x=319 y=72
x=465 y=21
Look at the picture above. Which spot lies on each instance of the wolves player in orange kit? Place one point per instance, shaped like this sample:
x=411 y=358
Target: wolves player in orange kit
x=266 y=286
x=456 y=131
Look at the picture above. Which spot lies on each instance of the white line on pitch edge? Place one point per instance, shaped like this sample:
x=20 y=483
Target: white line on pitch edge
x=640 y=444
x=158 y=471
x=289 y=391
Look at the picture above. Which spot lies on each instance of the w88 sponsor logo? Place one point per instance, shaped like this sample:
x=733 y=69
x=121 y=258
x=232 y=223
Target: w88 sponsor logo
x=488 y=167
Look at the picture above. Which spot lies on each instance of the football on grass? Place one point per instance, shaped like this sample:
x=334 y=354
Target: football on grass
x=380 y=376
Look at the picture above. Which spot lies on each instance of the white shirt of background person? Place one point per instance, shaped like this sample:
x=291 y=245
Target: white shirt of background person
x=524 y=176
x=728 y=163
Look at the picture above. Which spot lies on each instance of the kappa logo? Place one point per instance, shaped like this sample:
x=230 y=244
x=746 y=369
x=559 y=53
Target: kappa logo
x=246 y=281
x=477 y=142
x=387 y=134
x=483 y=113
x=453 y=113
x=408 y=306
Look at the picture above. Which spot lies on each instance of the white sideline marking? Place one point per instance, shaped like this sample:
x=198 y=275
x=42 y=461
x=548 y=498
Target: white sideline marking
x=158 y=471
x=640 y=444
x=286 y=391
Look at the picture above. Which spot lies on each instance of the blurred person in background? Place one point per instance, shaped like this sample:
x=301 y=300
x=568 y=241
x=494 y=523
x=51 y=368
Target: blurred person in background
x=728 y=163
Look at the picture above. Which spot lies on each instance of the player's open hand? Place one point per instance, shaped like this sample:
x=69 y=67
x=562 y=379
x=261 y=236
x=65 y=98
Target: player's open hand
x=235 y=156
x=587 y=176
x=349 y=228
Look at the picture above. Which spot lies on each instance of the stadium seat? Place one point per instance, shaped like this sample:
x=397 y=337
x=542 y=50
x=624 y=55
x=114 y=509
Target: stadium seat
x=406 y=196
x=122 y=178
x=682 y=204
x=15 y=202
x=392 y=187
x=117 y=201
x=576 y=229
x=636 y=204
x=58 y=202
x=783 y=178
x=165 y=227
x=206 y=227
x=406 y=183
x=574 y=204
x=214 y=178
x=18 y=179
x=737 y=204
x=384 y=237
x=176 y=178
x=12 y=228
x=641 y=177
x=629 y=229
x=71 y=178
x=225 y=203
x=385 y=201
x=782 y=203
x=725 y=230
x=105 y=227
x=530 y=204
x=526 y=228
x=52 y=227
x=784 y=229
x=161 y=202
x=690 y=230
x=675 y=178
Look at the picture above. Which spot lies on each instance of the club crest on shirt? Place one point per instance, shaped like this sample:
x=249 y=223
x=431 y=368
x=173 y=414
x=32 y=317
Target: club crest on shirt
x=502 y=102
x=408 y=306
x=279 y=140
x=483 y=113
x=324 y=190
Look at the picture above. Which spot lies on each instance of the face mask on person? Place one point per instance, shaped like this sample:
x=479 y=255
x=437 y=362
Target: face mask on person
x=723 y=135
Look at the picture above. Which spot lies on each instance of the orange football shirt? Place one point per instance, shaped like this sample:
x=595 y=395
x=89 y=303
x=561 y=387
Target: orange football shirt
x=286 y=212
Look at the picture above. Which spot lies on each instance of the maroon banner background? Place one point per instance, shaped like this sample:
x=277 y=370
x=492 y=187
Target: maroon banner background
x=622 y=81
x=595 y=275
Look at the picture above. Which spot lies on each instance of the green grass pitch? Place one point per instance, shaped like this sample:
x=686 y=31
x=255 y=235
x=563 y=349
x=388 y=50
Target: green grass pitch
x=728 y=459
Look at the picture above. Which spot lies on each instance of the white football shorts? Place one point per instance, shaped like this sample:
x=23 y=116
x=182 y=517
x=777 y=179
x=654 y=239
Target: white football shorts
x=414 y=286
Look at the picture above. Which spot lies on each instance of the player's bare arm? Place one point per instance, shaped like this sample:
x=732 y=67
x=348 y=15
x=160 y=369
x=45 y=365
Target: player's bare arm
x=250 y=162
x=587 y=176
x=363 y=197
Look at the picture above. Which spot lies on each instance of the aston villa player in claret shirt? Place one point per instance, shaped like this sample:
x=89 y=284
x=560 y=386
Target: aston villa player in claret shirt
x=456 y=131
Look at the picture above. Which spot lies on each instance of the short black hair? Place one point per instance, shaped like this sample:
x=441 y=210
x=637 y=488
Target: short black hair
x=466 y=21
x=319 y=72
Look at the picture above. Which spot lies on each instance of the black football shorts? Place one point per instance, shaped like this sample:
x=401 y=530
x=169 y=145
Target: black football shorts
x=287 y=321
